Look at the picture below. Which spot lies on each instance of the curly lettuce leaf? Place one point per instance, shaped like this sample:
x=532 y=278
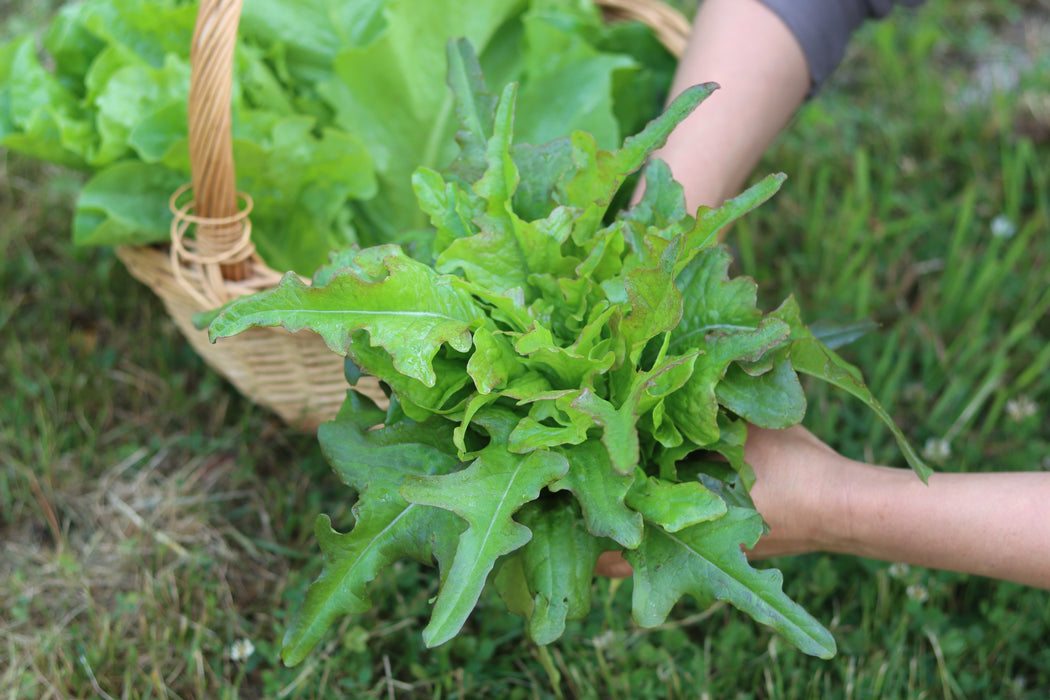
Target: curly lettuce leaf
x=410 y=313
x=706 y=562
x=600 y=491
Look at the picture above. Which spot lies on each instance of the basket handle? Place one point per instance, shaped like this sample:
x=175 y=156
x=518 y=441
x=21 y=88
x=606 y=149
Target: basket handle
x=211 y=138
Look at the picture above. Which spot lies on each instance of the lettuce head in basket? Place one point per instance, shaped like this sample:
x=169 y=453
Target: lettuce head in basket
x=559 y=379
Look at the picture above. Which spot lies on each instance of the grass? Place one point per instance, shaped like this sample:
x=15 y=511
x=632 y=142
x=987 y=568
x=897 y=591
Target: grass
x=150 y=518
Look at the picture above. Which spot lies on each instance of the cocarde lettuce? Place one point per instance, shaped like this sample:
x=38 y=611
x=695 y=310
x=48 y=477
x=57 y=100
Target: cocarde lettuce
x=560 y=384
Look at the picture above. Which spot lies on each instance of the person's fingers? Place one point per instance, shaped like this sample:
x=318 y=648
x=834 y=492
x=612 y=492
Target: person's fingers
x=613 y=565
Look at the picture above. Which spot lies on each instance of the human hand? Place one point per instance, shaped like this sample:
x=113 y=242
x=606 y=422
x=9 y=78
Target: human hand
x=797 y=489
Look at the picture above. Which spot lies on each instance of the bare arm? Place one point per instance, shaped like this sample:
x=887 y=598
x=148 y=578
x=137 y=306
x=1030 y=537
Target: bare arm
x=989 y=524
x=745 y=48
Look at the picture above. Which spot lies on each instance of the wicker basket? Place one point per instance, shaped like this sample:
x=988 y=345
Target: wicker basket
x=295 y=375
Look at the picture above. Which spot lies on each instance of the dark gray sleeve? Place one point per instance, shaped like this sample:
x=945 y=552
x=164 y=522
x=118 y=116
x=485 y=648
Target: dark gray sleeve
x=824 y=27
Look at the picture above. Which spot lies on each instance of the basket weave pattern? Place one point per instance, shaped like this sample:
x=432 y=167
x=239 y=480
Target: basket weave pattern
x=293 y=374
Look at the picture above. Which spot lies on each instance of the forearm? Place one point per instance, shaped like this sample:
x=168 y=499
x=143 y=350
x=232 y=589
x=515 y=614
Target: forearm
x=814 y=499
x=745 y=48
x=989 y=524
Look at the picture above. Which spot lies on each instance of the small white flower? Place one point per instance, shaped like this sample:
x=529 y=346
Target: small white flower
x=937 y=449
x=918 y=593
x=604 y=640
x=241 y=650
x=898 y=570
x=1002 y=227
x=1020 y=408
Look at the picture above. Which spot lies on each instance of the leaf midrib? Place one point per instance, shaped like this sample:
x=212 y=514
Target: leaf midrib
x=371 y=544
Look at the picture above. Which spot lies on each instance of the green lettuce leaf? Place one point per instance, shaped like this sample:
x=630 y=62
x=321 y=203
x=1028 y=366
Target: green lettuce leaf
x=386 y=527
x=560 y=61
x=409 y=313
x=391 y=94
x=601 y=491
x=486 y=494
x=548 y=580
x=809 y=356
x=119 y=205
x=706 y=562
x=771 y=400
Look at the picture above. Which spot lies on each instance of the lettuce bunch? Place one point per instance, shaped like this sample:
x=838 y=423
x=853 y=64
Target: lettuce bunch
x=560 y=385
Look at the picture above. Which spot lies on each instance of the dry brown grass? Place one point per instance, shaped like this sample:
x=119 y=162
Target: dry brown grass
x=144 y=554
